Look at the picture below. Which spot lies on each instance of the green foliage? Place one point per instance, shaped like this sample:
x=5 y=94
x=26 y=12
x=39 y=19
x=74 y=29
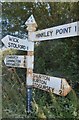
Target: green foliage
x=58 y=58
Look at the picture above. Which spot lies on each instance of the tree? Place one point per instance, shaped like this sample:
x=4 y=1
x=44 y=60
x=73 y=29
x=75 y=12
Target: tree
x=57 y=57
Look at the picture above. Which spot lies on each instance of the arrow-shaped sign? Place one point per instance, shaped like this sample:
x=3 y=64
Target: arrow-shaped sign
x=17 y=43
x=15 y=61
x=19 y=61
x=31 y=21
x=62 y=31
x=56 y=85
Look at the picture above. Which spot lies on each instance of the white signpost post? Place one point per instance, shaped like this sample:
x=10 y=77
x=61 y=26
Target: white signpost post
x=16 y=61
x=62 y=31
x=56 y=85
x=31 y=27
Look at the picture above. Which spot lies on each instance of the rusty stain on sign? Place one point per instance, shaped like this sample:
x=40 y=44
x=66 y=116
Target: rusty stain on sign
x=65 y=88
x=30 y=53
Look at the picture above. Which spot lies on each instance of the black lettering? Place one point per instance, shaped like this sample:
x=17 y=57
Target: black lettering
x=48 y=33
x=14 y=45
x=75 y=28
x=19 y=61
x=23 y=47
x=13 y=39
x=10 y=38
x=69 y=29
x=63 y=31
x=10 y=64
x=60 y=31
x=40 y=81
x=43 y=87
x=12 y=56
x=51 y=33
x=60 y=92
x=10 y=60
x=57 y=31
x=44 y=34
x=40 y=35
x=18 y=46
x=41 y=77
x=9 y=44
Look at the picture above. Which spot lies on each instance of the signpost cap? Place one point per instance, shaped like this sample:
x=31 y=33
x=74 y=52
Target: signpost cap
x=31 y=21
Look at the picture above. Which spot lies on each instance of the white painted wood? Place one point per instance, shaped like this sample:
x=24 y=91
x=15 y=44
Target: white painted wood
x=15 y=43
x=62 y=31
x=58 y=86
x=31 y=21
x=15 y=61
x=30 y=62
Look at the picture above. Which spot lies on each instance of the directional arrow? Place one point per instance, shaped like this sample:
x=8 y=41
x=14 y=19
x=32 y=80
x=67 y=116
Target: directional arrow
x=16 y=43
x=15 y=61
x=62 y=31
x=56 y=85
x=19 y=61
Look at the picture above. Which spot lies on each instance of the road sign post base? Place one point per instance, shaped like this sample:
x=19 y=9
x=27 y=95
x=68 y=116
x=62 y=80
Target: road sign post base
x=29 y=99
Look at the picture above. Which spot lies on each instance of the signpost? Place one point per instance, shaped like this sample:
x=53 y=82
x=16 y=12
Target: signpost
x=55 y=85
x=16 y=61
x=62 y=31
x=31 y=27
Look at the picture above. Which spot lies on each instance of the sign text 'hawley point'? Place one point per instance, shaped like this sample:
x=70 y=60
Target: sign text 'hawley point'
x=62 y=31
